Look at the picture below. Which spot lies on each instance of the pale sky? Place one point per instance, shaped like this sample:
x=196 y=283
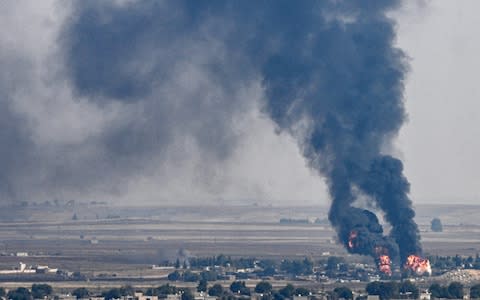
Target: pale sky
x=438 y=144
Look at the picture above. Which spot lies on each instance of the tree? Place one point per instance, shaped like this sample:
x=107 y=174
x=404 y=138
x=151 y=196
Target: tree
x=263 y=287
x=151 y=292
x=297 y=267
x=78 y=276
x=288 y=291
x=475 y=291
x=236 y=286
x=343 y=292
x=174 y=276
x=177 y=264
x=307 y=266
x=202 y=286
x=127 y=290
x=187 y=295
x=436 y=225
x=408 y=288
x=40 y=291
x=385 y=290
x=438 y=291
x=209 y=275
x=112 y=294
x=390 y=290
x=166 y=289
x=268 y=266
x=268 y=271
x=20 y=293
x=333 y=262
x=189 y=276
x=455 y=290
x=2 y=292
x=301 y=291
x=81 y=293
x=374 y=288
x=216 y=290
x=221 y=260
x=458 y=260
x=239 y=287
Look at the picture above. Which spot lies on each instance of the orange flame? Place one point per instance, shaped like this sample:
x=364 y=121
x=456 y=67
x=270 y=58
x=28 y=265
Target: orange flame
x=352 y=243
x=384 y=261
x=418 y=265
x=385 y=264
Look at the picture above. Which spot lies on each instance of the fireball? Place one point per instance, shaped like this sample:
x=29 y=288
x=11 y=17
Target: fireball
x=385 y=264
x=418 y=265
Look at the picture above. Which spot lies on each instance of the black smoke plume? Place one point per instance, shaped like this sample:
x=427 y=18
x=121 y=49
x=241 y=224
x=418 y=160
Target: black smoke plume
x=331 y=74
x=345 y=78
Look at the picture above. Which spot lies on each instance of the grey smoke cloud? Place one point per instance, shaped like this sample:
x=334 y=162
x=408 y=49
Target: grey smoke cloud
x=189 y=130
x=158 y=85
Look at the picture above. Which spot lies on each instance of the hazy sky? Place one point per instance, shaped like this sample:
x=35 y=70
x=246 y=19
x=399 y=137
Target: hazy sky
x=57 y=142
x=440 y=143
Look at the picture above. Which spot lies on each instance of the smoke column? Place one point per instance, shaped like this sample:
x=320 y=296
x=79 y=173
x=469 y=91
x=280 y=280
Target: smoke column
x=330 y=73
x=346 y=79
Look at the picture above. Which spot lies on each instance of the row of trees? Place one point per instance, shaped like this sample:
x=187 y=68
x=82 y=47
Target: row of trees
x=296 y=267
x=457 y=261
x=41 y=291
x=453 y=291
x=240 y=289
x=331 y=266
x=236 y=288
x=220 y=260
x=385 y=290
x=392 y=289
x=408 y=290
x=263 y=287
x=37 y=291
x=262 y=267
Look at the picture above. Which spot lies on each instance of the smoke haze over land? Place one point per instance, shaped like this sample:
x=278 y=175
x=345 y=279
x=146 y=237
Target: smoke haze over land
x=169 y=102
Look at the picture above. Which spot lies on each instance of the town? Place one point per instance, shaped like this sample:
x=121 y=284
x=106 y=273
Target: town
x=223 y=277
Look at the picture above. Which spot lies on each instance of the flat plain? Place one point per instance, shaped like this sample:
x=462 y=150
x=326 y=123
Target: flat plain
x=127 y=241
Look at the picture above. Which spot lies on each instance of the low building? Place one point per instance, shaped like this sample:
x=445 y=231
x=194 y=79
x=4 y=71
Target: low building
x=65 y=297
x=141 y=296
x=300 y=297
x=425 y=295
x=204 y=296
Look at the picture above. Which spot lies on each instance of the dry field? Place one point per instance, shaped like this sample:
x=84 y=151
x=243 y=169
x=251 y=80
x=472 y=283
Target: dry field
x=131 y=240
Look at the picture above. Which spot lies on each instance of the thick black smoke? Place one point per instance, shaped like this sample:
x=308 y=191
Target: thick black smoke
x=330 y=73
x=346 y=78
x=387 y=185
x=363 y=234
x=329 y=67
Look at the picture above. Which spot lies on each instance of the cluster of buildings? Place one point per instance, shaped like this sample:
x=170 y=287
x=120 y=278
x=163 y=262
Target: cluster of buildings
x=24 y=269
x=138 y=296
